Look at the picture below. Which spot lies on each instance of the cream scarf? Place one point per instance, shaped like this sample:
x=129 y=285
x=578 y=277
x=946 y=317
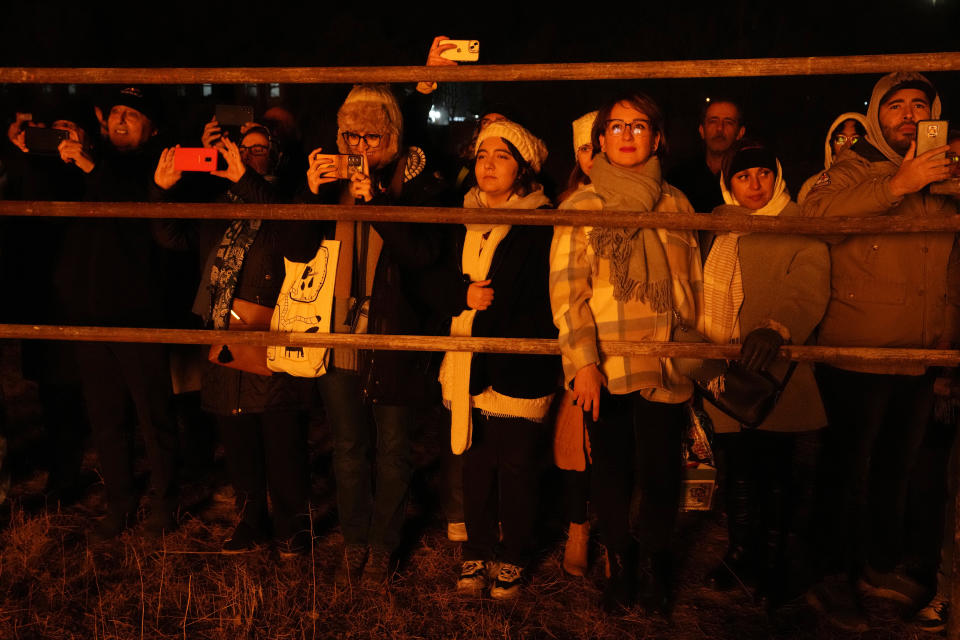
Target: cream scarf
x=722 y=278
x=479 y=246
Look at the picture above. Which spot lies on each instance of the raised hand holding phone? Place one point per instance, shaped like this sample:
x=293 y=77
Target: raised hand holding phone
x=167 y=173
x=321 y=170
x=211 y=133
x=235 y=167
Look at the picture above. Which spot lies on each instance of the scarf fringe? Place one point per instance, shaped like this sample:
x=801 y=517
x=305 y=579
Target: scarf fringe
x=717 y=385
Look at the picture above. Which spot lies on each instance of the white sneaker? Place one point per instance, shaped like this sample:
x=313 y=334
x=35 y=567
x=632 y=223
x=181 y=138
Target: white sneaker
x=473 y=578
x=933 y=617
x=507 y=584
x=457 y=531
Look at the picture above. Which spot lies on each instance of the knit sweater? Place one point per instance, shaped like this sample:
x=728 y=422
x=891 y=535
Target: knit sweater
x=587 y=314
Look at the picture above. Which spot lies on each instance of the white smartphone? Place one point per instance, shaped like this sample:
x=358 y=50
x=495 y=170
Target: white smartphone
x=466 y=51
x=931 y=134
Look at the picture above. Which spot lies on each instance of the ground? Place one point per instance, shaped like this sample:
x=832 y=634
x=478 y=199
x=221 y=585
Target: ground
x=53 y=584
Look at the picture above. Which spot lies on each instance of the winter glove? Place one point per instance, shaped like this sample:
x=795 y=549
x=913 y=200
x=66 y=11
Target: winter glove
x=760 y=348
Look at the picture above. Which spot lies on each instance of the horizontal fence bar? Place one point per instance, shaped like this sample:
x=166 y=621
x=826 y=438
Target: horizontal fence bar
x=458 y=215
x=844 y=355
x=727 y=68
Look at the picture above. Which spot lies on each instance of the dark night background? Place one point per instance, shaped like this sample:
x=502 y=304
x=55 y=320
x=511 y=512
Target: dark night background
x=791 y=113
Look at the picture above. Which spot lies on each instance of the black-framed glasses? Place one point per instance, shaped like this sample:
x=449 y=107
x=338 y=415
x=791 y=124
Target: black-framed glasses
x=353 y=139
x=637 y=127
x=842 y=139
x=255 y=149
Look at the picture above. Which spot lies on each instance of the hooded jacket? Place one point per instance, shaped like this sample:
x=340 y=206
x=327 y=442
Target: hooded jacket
x=828 y=152
x=893 y=290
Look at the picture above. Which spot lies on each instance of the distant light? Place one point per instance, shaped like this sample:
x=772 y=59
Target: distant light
x=458 y=118
x=864 y=103
x=708 y=99
x=434 y=115
x=274 y=89
x=476 y=116
x=71 y=89
x=252 y=90
x=207 y=90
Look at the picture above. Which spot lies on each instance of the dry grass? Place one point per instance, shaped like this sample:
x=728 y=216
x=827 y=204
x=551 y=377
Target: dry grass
x=54 y=585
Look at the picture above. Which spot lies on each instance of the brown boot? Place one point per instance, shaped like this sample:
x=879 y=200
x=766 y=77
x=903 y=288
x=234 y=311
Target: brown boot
x=575 y=551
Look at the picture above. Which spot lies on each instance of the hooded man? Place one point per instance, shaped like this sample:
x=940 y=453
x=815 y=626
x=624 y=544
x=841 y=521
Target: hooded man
x=893 y=290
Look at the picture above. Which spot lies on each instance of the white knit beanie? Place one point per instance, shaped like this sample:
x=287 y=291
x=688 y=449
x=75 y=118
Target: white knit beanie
x=582 y=127
x=530 y=147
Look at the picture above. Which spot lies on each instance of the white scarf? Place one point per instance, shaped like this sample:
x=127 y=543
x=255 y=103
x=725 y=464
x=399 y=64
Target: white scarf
x=722 y=278
x=479 y=246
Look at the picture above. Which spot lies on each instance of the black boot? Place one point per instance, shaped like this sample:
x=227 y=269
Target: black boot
x=735 y=568
x=772 y=587
x=620 y=590
x=657 y=584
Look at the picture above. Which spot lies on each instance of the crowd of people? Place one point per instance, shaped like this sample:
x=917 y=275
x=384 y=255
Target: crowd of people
x=582 y=285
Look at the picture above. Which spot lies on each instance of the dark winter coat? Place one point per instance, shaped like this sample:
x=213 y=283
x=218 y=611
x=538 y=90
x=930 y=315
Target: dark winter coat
x=227 y=391
x=519 y=274
x=401 y=377
x=111 y=271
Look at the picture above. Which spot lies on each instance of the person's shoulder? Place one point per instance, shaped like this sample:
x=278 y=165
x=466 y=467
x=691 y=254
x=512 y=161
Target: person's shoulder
x=862 y=151
x=585 y=198
x=672 y=199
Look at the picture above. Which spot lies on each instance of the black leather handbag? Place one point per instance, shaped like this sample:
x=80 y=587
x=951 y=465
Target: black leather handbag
x=748 y=396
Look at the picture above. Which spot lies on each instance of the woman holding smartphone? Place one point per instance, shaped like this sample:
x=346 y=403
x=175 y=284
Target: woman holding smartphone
x=637 y=284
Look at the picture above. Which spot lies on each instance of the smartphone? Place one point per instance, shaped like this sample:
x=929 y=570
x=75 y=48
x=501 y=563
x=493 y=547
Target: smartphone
x=931 y=134
x=195 y=159
x=344 y=165
x=43 y=141
x=466 y=51
x=231 y=117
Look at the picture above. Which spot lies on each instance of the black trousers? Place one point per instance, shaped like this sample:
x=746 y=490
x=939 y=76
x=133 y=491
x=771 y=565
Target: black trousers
x=115 y=378
x=501 y=470
x=268 y=452
x=759 y=492
x=635 y=475
x=877 y=424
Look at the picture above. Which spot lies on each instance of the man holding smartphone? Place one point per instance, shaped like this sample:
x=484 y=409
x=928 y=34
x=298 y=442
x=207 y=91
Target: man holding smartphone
x=111 y=273
x=893 y=290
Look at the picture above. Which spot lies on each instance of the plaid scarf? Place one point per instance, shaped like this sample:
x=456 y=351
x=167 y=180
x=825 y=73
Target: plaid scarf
x=638 y=262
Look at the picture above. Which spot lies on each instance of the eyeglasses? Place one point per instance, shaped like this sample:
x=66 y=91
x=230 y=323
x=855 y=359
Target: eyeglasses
x=585 y=148
x=353 y=139
x=255 y=149
x=842 y=139
x=637 y=127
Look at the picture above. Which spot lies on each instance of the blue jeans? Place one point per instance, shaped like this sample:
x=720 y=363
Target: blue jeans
x=371 y=462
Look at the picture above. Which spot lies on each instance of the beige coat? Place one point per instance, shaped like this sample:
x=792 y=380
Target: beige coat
x=786 y=282
x=893 y=290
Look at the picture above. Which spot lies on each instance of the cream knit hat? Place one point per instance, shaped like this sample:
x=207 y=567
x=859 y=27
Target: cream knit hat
x=582 y=127
x=530 y=147
x=371 y=108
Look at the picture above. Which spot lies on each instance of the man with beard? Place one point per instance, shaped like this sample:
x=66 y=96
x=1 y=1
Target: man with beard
x=894 y=290
x=110 y=273
x=721 y=124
